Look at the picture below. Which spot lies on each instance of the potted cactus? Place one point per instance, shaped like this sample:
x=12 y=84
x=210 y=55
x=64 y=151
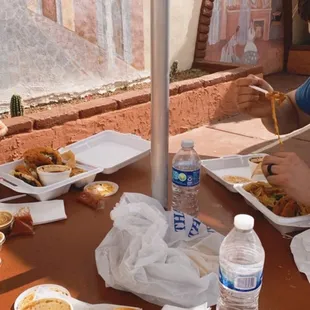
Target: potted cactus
x=16 y=106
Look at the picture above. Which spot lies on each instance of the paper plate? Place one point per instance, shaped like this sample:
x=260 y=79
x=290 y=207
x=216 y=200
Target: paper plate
x=52 y=287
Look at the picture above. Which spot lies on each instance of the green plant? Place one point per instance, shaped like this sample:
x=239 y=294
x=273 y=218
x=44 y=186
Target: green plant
x=174 y=69
x=16 y=106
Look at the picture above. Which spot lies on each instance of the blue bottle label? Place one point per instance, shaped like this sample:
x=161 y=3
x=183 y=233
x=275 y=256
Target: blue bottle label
x=242 y=283
x=185 y=178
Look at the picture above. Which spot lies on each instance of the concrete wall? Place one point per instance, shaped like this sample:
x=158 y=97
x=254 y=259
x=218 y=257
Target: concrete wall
x=184 y=16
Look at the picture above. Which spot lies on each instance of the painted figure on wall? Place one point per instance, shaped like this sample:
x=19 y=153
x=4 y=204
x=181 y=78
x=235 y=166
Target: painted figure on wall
x=214 y=32
x=243 y=31
x=244 y=21
x=250 y=56
x=228 y=53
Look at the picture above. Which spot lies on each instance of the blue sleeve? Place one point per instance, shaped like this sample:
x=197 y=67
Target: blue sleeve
x=303 y=97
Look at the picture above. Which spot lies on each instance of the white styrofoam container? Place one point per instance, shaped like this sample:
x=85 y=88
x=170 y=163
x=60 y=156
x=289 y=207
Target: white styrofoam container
x=45 y=192
x=109 y=150
x=283 y=224
x=236 y=165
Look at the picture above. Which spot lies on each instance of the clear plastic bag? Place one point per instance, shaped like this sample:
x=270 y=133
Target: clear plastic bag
x=163 y=257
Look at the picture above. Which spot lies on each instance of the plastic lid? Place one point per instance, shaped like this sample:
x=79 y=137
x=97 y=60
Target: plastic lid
x=187 y=143
x=244 y=222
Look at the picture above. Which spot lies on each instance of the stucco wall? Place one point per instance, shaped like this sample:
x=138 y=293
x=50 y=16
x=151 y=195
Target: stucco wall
x=184 y=16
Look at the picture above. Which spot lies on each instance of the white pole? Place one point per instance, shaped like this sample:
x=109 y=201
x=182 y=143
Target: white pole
x=160 y=98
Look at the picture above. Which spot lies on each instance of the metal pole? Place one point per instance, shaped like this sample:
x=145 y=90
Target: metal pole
x=160 y=98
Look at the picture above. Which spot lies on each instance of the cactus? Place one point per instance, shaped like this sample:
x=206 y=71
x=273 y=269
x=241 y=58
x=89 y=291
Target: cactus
x=174 y=69
x=16 y=106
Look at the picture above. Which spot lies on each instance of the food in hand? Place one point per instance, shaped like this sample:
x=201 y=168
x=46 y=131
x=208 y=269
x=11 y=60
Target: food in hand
x=235 y=179
x=48 y=304
x=276 y=200
x=41 y=156
x=276 y=98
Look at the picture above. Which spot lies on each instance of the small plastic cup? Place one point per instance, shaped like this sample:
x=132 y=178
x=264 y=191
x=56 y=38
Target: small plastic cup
x=2 y=240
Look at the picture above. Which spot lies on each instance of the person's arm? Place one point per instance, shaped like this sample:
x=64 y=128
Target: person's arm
x=294 y=113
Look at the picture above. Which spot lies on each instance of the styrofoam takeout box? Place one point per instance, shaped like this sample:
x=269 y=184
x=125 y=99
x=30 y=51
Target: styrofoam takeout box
x=282 y=224
x=238 y=165
x=45 y=192
x=107 y=152
x=235 y=165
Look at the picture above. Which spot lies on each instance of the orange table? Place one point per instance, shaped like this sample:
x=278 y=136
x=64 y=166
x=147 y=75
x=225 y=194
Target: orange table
x=63 y=252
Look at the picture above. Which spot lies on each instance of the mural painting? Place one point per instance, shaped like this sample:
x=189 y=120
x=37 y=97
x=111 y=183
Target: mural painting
x=248 y=32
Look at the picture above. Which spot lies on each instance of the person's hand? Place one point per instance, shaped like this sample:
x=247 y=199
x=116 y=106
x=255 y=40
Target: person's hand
x=250 y=101
x=290 y=173
x=3 y=129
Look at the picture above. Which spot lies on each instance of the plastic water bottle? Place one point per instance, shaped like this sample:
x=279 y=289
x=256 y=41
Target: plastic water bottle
x=242 y=260
x=186 y=179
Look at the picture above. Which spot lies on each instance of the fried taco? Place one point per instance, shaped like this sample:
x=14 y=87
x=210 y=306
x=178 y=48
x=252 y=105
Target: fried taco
x=41 y=156
x=27 y=178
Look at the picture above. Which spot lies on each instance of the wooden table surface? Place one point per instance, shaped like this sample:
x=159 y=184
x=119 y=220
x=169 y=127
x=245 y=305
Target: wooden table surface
x=64 y=252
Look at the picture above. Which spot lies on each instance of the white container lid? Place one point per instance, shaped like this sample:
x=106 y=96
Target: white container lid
x=244 y=222
x=187 y=143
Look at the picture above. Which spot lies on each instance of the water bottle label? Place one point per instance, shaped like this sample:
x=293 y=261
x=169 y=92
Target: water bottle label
x=241 y=283
x=185 y=178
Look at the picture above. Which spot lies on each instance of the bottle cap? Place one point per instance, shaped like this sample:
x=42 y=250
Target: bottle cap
x=187 y=143
x=244 y=222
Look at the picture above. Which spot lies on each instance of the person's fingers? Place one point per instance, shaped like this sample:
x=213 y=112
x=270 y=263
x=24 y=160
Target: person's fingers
x=245 y=82
x=275 y=170
x=247 y=98
x=283 y=154
x=278 y=180
x=272 y=160
x=247 y=91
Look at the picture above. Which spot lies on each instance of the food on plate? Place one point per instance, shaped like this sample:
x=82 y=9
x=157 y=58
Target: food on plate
x=75 y=171
x=23 y=223
x=51 y=174
x=23 y=169
x=41 y=156
x=276 y=98
x=276 y=200
x=101 y=189
x=27 y=178
x=6 y=221
x=48 y=304
x=235 y=179
x=69 y=159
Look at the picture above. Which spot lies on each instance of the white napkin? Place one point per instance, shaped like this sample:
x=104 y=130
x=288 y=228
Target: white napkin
x=300 y=247
x=42 y=212
x=202 y=307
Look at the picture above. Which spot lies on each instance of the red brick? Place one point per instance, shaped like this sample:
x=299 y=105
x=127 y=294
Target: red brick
x=200 y=54
x=208 y=4
x=96 y=106
x=206 y=20
x=202 y=37
x=54 y=117
x=173 y=89
x=203 y=28
x=18 y=124
x=189 y=85
x=134 y=97
x=201 y=45
x=206 y=12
